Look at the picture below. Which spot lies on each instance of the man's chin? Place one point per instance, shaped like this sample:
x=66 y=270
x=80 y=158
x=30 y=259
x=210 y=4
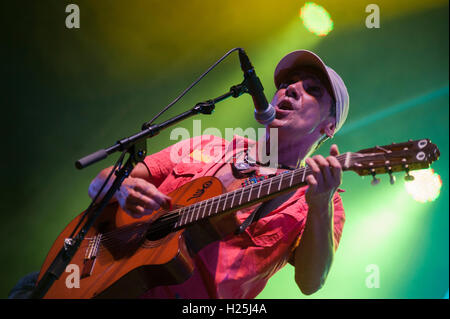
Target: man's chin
x=276 y=123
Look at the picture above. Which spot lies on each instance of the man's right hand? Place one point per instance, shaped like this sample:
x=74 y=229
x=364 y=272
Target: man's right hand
x=137 y=197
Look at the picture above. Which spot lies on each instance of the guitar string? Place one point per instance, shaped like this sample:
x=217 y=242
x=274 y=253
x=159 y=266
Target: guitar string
x=115 y=242
x=192 y=209
x=262 y=184
x=107 y=238
x=173 y=217
x=110 y=242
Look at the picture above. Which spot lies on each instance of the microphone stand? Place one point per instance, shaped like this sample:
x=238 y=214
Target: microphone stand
x=135 y=146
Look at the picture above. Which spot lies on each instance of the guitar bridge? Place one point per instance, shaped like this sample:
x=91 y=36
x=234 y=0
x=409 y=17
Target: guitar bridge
x=91 y=256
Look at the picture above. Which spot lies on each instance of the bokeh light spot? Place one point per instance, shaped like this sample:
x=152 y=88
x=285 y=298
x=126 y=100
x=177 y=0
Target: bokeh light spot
x=316 y=19
x=426 y=185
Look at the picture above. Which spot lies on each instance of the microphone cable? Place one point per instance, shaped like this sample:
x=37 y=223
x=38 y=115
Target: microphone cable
x=147 y=124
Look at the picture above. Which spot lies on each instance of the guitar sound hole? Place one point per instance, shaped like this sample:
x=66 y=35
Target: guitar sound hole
x=160 y=228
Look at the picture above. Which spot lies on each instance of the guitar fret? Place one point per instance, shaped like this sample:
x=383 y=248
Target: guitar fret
x=242 y=193
x=304 y=172
x=225 y=202
x=199 y=208
x=259 y=191
x=183 y=215
x=292 y=177
x=177 y=224
x=250 y=193
x=180 y=217
x=193 y=212
x=268 y=189
x=218 y=200
x=196 y=213
x=281 y=179
x=232 y=200
x=188 y=214
x=204 y=210
x=210 y=207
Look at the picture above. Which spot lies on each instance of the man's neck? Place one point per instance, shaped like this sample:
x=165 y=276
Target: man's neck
x=289 y=154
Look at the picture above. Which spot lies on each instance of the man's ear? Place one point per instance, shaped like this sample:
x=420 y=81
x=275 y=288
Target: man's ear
x=329 y=129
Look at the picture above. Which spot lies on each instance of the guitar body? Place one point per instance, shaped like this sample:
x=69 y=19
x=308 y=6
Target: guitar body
x=118 y=260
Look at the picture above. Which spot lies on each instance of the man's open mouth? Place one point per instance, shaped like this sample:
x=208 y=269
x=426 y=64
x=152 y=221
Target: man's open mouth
x=283 y=109
x=285 y=105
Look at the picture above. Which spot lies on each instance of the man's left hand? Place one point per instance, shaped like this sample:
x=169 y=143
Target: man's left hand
x=325 y=178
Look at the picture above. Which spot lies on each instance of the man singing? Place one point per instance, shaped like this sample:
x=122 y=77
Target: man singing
x=311 y=104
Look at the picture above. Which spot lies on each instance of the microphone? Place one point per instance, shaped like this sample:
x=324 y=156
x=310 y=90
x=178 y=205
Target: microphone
x=264 y=112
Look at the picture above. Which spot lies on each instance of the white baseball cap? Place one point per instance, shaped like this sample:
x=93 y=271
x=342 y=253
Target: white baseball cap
x=336 y=86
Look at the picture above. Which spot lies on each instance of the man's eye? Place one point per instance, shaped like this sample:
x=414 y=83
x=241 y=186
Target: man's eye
x=314 y=90
x=283 y=86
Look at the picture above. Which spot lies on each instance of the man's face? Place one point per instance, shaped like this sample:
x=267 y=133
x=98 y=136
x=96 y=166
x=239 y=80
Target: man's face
x=302 y=103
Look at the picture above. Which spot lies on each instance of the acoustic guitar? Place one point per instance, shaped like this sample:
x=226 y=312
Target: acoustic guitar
x=123 y=257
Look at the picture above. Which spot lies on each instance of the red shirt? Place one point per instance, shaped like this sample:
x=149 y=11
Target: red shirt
x=238 y=266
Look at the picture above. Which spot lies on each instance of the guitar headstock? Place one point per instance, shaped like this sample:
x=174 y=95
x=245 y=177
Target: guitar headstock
x=396 y=157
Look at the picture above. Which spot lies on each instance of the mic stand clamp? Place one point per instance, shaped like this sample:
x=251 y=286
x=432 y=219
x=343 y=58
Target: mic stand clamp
x=57 y=267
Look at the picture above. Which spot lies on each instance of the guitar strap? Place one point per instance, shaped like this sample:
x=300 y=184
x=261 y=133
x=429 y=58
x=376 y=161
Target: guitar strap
x=264 y=209
x=241 y=169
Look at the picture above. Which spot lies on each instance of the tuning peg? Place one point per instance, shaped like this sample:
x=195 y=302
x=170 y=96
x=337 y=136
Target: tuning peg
x=391 y=178
x=408 y=178
x=375 y=181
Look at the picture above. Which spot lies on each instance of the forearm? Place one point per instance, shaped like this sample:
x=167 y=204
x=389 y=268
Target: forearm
x=139 y=171
x=97 y=183
x=314 y=255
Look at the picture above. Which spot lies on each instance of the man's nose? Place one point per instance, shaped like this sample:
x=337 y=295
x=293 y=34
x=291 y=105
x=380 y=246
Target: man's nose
x=293 y=90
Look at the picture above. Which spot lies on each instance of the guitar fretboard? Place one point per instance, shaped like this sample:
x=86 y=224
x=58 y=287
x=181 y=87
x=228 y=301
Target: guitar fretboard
x=247 y=195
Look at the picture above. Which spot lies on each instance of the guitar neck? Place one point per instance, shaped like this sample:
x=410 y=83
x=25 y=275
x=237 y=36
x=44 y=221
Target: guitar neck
x=248 y=195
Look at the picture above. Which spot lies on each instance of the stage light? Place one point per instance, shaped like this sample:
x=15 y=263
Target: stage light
x=316 y=19
x=426 y=185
